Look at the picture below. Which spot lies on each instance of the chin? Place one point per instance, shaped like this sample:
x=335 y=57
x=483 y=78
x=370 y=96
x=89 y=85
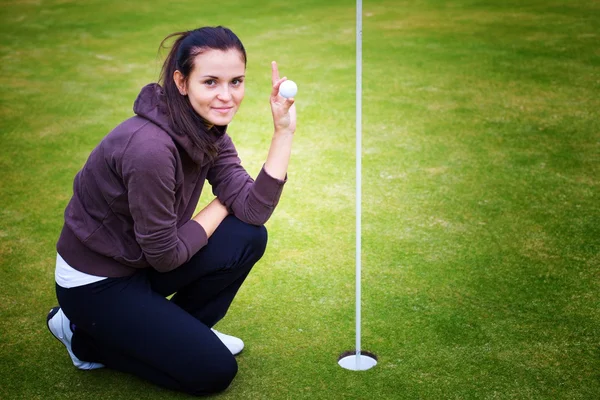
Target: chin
x=220 y=121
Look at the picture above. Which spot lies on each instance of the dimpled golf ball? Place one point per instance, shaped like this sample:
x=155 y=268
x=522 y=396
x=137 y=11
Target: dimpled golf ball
x=288 y=89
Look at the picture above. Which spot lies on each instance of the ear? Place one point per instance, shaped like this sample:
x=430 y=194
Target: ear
x=180 y=82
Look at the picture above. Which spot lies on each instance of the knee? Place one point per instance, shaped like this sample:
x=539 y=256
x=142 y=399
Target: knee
x=222 y=375
x=259 y=240
x=245 y=243
x=212 y=380
x=253 y=237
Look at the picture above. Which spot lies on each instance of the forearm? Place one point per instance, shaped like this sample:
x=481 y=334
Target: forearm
x=279 y=154
x=211 y=216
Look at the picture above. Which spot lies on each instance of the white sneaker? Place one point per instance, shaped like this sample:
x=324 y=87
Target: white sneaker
x=60 y=326
x=235 y=345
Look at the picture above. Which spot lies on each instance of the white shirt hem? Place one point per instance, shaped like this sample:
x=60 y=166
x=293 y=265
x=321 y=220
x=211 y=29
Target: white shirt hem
x=68 y=277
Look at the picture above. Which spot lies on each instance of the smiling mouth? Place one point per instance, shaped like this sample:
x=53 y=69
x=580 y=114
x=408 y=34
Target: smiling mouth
x=222 y=110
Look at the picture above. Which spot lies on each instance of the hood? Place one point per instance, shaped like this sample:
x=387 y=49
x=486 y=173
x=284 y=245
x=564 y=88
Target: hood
x=151 y=105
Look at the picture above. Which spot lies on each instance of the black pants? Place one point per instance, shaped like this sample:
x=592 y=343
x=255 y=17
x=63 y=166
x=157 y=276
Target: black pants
x=128 y=324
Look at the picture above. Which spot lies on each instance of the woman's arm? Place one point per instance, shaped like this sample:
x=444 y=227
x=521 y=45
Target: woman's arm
x=253 y=201
x=211 y=216
x=148 y=167
x=284 y=121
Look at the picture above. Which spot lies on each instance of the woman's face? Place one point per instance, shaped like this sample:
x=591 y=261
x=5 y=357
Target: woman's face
x=215 y=87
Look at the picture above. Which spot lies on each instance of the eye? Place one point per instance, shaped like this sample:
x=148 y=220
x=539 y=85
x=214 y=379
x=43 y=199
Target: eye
x=210 y=82
x=237 y=82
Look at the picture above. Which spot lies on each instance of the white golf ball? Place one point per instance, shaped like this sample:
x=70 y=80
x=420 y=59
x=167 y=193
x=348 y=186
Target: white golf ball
x=288 y=89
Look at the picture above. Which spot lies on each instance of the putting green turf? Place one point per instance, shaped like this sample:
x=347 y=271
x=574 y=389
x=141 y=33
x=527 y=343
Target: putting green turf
x=481 y=154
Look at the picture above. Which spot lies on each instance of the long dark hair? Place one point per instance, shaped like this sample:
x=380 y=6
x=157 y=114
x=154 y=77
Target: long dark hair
x=186 y=47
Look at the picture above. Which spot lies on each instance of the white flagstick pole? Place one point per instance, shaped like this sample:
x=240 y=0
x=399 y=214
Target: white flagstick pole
x=357 y=361
x=358 y=174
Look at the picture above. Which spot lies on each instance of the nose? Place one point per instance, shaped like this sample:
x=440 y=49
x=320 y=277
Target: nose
x=224 y=94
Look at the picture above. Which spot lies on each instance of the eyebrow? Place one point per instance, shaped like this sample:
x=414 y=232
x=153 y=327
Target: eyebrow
x=216 y=77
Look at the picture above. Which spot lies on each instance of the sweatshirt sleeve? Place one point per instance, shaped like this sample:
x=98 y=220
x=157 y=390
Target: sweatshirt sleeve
x=149 y=175
x=252 y=201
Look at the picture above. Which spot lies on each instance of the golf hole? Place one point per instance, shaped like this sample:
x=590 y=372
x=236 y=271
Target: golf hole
x=363 y=362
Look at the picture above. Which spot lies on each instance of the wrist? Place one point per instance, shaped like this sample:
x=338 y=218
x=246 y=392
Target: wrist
x=283 y=132
x=217 y=205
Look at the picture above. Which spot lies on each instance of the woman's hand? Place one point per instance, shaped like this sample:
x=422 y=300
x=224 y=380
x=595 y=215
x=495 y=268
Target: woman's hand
x=284 y=111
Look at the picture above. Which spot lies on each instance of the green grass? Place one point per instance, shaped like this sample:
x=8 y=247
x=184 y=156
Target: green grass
x=481 y=220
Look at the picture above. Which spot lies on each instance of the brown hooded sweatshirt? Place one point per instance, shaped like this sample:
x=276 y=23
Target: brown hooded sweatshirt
x=134 y=198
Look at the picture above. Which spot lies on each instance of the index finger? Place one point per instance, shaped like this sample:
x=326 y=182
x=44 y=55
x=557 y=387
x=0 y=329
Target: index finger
x=274 y=72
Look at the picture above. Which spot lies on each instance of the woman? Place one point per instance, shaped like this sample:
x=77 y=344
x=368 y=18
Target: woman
x=130 y=238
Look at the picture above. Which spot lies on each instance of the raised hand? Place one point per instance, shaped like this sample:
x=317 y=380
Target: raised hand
x=283 y=110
